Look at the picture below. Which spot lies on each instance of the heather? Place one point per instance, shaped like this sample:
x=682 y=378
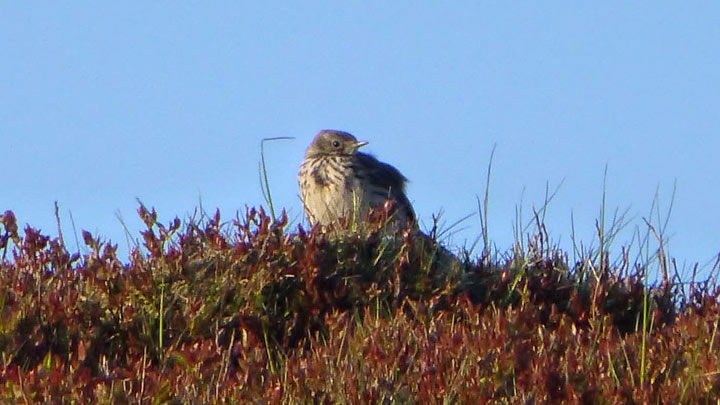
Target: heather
x=251 y=310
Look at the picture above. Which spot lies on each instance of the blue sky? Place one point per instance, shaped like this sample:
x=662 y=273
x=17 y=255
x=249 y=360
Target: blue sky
x=102 y=103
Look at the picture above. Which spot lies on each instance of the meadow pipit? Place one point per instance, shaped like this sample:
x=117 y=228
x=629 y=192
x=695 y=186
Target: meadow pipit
x=337 y=181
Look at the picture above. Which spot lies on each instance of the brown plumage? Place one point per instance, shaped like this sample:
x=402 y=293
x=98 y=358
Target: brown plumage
x=337 y=181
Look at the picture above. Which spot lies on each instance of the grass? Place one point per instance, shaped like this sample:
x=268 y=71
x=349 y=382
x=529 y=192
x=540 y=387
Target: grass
x=262 y=170
x=251 y=310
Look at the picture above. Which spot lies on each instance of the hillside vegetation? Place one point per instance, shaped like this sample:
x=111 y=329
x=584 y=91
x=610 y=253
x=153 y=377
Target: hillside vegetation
x=250 y=311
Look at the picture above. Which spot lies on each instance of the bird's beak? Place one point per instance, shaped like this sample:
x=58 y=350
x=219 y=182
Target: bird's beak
x=360 y=144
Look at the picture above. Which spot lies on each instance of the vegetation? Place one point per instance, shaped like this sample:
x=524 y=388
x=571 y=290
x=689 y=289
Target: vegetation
x=250 y=311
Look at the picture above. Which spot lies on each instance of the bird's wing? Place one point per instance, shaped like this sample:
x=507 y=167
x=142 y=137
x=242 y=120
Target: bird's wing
x=385 y=178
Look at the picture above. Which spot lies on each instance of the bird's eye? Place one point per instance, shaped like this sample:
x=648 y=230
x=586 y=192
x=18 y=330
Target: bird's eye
x=336 y=144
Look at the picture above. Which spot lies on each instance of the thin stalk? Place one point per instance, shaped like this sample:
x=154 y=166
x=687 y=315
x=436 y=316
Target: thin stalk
x=264 y=182
x=483 y=210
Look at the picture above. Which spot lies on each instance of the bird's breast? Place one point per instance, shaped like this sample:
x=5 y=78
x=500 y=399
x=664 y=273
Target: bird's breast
x=329 y=189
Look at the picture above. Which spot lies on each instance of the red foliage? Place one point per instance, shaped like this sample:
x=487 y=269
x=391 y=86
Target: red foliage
x=213 y=313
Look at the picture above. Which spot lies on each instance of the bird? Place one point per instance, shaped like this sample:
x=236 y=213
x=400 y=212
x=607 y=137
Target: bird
x=337 y=181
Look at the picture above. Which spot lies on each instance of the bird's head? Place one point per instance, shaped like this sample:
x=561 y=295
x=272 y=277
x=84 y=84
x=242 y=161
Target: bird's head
x=331 y=142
